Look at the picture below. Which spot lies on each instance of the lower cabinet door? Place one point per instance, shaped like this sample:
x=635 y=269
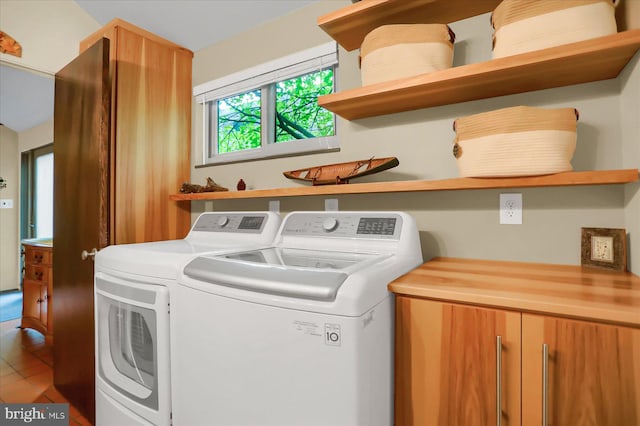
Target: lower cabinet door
x=579 y=373
x=449 y=361
x=31 y=300
x=44 y=306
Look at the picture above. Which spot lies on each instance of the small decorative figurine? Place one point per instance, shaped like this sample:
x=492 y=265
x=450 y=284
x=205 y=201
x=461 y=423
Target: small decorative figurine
x=241 y=185
x=211 y=186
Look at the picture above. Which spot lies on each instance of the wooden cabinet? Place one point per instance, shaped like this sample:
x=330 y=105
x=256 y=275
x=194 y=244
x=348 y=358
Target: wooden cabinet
x=591 y=372
x=38 y=287
x=449 y=359
x=446 y=361
x=150 y=137
x=451 y=369
x=122 y=137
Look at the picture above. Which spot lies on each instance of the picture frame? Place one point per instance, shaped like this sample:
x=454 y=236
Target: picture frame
x=604 y=248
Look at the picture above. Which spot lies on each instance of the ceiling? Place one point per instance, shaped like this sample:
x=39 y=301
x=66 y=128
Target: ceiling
x=26 y=98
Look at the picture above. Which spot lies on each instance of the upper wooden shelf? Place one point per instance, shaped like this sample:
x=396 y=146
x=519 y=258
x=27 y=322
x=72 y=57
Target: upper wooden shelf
x=349 y=25
x=591 y=60
x=599 y=177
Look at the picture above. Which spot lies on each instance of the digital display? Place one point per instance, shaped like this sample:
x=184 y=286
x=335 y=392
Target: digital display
x=377 y=226
x=251 y=222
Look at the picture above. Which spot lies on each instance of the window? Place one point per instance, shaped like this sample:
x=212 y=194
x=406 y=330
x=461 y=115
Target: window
x=270 y=110
x=37 y=193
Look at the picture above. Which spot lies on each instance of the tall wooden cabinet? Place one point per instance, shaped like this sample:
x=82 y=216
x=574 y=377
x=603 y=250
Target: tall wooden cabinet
x=122 y=132
x=460 y=364
x=150 y=133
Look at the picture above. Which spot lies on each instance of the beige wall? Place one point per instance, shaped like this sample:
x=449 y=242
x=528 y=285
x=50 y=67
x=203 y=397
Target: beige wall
x=452 y=223
x=49 y=31
x=36 y=137
x=12 y=144
x=9 y=243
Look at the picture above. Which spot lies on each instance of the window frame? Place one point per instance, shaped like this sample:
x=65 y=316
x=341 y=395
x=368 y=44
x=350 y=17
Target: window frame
x=264 y=77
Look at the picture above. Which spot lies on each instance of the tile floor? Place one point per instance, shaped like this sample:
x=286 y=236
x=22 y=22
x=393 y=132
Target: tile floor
x=26 y=373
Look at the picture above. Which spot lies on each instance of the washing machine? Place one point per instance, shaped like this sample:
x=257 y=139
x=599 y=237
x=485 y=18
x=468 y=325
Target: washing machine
x=133 y=285
x=296 y=334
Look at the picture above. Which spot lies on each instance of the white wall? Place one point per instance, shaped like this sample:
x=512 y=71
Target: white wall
x=9 y=244
x=452 y=223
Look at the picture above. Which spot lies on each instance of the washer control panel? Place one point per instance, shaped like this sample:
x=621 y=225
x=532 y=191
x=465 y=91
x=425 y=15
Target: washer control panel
x=230 y=222
x=344 y=225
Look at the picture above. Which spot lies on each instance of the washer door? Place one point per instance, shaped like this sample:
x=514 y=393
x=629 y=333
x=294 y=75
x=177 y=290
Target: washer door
x=127 y=337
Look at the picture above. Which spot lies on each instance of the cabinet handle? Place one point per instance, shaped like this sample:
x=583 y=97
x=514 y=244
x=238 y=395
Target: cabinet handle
x=39 y=301
x=498 y=380
x=545 y=384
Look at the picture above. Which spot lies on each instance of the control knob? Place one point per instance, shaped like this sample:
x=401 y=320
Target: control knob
x=223 y=221
x=330 y=224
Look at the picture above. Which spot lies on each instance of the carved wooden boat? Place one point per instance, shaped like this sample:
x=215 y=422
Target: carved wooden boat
x=341 y=172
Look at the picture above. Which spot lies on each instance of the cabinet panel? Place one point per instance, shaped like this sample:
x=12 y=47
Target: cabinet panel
x=44 y=306
x=31 y=300
x=593 y=372
x=152 y=160
x=446 y=372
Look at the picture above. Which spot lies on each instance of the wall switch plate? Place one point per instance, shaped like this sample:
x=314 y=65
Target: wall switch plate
x=331 y=204
x=6 y=203
x=511 y=209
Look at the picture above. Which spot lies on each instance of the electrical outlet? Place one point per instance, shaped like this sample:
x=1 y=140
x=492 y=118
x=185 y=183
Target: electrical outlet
x=331 y=204
x=511 y=209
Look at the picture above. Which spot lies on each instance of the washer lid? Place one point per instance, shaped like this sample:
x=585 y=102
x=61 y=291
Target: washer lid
x=160 y=259
x=299 y=273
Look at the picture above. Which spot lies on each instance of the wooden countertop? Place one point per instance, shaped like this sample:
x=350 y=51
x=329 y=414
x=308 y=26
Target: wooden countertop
x=562 y=290
x=38 y=242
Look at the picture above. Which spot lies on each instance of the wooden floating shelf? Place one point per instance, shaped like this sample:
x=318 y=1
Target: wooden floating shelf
x=349 y=25
x=599 y=177
x=591 y=60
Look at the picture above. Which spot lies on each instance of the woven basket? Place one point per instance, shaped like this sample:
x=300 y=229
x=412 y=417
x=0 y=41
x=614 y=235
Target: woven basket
x=397 y=51
x=527 y=25
x=517 y=141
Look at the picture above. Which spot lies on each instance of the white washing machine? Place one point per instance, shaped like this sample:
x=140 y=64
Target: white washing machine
x=297 y=334
x=133 y=283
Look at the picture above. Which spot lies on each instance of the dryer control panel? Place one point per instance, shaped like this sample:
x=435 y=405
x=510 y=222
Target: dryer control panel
x=344 y=225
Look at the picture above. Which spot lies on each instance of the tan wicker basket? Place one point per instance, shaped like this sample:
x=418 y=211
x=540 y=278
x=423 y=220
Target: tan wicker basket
x=397 y=51
x=517 y=141
x=526 y=25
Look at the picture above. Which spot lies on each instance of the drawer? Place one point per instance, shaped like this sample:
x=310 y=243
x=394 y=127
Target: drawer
x=38 y=256
x=37 y=272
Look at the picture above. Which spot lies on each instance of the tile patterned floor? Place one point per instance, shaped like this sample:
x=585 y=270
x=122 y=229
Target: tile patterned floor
x=26 y=373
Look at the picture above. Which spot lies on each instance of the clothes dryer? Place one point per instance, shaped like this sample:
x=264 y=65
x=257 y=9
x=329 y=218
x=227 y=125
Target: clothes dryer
x=300 y=333
x=133 y=286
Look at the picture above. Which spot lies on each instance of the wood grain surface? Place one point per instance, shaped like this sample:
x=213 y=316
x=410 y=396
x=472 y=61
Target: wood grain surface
x=563 y=290
x=349 y=25
x=585 y=61
x=81 y=145
x=596 y=177
x=445 y=368
x=594 y=373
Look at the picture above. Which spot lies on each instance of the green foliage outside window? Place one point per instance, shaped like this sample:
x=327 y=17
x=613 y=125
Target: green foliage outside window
x=297 y=114
x=239 y=122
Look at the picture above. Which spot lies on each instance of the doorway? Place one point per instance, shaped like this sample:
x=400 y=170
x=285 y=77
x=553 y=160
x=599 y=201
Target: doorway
x=36 y=195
